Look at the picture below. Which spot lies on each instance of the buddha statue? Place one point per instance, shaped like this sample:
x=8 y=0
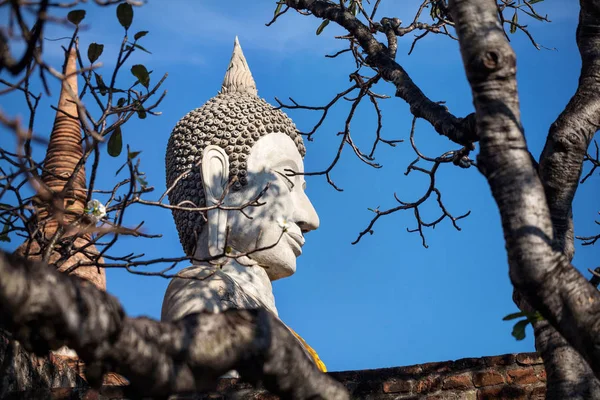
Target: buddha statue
x=234 y=155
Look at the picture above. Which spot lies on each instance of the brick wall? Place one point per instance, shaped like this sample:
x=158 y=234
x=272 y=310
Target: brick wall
x=511 y=376
x=506 y=377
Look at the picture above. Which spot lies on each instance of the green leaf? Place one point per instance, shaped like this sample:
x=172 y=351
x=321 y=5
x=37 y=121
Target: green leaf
x=322 y=26
x=514 y=316
x=95 y=51
x=531 y=2
x=76 y=16
x=115 y=143
x=120 y=103
x=100 y=83
x=139 y=109
x=515 y=21
x=140 y=35
x=535 y=317
x=125 y=15
x=141 y=73
x=133 y=154
x=519 y=329
x=4 y=235
x=532 y=317
x=142 y=181
x=141 y=48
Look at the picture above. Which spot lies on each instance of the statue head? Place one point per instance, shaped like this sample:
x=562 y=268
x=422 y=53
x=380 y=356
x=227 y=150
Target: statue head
x=228 y=151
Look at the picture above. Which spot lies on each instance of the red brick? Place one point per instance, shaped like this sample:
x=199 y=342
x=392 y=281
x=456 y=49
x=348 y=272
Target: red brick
x=469 y=363
x=506 y=359
x=458 y=382
x=439 y=367
x=429 y=384
x=265 y=396
x=529 y=359
x=538 y=393
x=502 y=393
x=522 y=376
x=90 y=395
x=397 y=386
x=487 y=378
x=442 y=396
x=411 y=369
x=541 y=373
x=226 y=383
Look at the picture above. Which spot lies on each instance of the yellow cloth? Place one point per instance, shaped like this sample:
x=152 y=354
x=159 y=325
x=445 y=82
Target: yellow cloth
x=311 y=351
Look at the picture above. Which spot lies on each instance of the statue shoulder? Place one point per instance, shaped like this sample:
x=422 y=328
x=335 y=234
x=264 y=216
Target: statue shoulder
x=202 y=288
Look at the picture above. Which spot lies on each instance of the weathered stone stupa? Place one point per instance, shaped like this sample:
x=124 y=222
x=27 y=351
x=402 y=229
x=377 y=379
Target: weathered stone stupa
x=61 y=218
x=62 y=156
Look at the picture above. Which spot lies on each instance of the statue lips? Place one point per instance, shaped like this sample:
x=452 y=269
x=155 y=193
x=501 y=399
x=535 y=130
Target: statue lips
x=297 y=241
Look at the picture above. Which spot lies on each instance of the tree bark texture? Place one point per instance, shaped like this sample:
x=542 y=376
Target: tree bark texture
x=569 y=376
x=538 y=269
x=45 y=310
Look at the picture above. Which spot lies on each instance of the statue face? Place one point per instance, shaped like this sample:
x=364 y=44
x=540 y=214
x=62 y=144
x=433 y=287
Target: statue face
x=286 y=207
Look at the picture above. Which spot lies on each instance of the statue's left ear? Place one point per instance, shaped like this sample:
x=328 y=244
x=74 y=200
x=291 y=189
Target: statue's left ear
x=215 y=175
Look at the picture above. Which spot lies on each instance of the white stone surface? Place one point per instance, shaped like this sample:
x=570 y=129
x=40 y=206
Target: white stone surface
x=277 y=227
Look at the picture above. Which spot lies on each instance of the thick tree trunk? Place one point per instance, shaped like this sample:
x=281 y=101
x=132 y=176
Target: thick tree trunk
x=569 y=376
x=539 y=271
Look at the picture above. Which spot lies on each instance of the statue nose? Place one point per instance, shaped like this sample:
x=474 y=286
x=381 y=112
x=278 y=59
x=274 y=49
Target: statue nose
x=305 y=215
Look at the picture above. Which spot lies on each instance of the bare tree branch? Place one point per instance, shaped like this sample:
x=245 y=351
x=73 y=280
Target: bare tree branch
x=459 y=130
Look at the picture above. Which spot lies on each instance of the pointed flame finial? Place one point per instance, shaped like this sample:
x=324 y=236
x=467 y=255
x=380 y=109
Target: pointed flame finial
x=238 y=77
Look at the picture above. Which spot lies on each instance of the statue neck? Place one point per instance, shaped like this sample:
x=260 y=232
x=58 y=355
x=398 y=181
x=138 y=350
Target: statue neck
x=252 y=280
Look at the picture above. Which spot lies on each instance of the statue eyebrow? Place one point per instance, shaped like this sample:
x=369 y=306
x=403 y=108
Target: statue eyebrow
x=288 y=164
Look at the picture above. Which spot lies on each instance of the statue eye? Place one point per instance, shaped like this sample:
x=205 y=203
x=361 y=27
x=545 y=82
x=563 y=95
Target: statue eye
x=287 y=180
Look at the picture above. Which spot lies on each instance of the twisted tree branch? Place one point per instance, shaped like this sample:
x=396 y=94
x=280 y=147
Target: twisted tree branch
x=45 y=310
x=570 y=135
x=459 y=130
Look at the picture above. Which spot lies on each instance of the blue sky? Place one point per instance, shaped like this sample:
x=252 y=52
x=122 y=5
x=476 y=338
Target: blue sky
x=386 y=301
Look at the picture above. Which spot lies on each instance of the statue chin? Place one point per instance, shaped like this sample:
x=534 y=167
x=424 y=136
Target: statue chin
x=277 y=263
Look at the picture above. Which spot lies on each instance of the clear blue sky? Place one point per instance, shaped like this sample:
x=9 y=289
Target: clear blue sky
x=386 y=301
